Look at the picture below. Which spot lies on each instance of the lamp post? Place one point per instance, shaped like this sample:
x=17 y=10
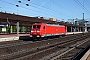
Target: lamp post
x=17 y=8
x=17 y=18
x=17 y=22
x=0 y=7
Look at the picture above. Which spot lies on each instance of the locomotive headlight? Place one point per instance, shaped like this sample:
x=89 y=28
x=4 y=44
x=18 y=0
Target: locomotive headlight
x=32 y=31
x=38 y=31
x=30 y=35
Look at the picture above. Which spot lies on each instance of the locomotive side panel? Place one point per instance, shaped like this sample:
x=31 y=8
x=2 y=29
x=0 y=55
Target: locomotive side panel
x=61 y=30
x=50 y=30
x=54 y=30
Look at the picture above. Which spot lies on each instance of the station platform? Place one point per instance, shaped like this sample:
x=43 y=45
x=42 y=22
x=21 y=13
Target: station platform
x=86 y=56
x=74 y=33
x=10 y=37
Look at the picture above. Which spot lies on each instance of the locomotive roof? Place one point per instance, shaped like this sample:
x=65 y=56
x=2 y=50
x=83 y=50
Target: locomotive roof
x=48 y=24
x=55 y=25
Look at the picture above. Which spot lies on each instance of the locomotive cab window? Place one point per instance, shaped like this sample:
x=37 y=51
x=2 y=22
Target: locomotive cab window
x=44 y=27
x=36 y=26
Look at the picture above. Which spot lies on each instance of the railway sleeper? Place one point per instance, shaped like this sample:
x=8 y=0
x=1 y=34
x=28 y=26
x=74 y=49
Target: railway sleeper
x=80 y=47
x=61 y=46
x=68 y=47
x=70 y=54
x=50 y=56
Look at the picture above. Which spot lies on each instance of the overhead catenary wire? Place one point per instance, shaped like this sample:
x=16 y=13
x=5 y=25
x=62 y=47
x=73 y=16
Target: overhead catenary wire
x=82 y=6
x=57 y=13
x=38 y=8
x=26 y=8
x=49 y=9
x=87 y=2
x=42 y=7
x=63 y=7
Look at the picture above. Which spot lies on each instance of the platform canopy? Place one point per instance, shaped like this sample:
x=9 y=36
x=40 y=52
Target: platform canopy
x=12 y=19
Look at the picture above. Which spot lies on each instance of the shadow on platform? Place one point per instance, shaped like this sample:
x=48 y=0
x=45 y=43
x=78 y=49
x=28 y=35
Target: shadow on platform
x=24 y=38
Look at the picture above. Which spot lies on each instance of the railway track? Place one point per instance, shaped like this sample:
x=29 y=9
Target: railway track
x=42 y=51
x=7 y=48
x=69 y=54
x=19 y=42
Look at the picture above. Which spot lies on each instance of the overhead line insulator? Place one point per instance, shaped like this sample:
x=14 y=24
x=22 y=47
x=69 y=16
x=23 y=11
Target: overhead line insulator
x=17 y=5
x=27 y=4
x=19 y=1
x=28 y=0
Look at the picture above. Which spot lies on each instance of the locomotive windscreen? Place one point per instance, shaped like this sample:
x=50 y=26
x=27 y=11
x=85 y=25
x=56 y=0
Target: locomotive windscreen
x=36 y=26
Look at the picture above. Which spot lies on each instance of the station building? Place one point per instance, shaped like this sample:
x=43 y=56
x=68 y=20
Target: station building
x=12 y=23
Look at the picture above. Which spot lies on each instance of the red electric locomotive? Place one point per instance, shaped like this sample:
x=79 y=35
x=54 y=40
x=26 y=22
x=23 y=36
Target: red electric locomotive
x=45 y=30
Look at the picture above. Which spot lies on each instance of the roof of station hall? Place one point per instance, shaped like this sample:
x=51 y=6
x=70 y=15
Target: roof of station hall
x=26 y=20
